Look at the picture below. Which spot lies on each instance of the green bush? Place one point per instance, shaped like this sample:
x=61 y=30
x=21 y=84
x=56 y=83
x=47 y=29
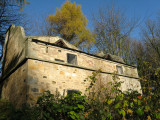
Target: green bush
x=52 y=107
x=9 y=112
x=103 y=104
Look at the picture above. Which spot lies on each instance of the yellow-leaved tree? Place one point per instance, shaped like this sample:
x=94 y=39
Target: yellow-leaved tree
x=70 y=23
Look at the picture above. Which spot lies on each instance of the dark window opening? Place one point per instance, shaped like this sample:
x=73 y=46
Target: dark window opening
x=72 y=59
x=72 y=91
x=60 y=43
x=59 y=60
x=119 y=69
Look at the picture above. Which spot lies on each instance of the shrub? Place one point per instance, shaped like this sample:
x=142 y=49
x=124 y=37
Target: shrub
x=101 y=105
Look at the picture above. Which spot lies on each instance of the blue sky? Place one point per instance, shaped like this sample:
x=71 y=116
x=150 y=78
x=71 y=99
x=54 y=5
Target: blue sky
x=142 y=9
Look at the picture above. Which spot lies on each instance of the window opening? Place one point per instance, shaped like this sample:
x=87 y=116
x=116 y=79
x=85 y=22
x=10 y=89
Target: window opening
x=119 y=69
x=59 y=60
x=60 y=43
x=72 y=91
x=71 y=59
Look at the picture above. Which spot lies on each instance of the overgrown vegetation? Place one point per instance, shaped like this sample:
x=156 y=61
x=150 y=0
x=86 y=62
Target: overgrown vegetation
x=100 y=105
x=112 y=36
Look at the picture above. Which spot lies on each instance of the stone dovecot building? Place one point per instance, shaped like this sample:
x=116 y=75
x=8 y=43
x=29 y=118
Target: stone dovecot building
x=32 y=65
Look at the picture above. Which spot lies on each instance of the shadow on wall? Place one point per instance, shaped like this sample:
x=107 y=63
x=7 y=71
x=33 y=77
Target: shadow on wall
x=9 y=69
x=3 y=63
x=12 y=63
x=10 y=66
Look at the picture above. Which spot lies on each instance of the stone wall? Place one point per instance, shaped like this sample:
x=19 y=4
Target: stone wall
x=46 y=73
x=15 y=88
x=38 y=51
x=53 y=39
x=44 y=76
x=30 y=68
x=14 y=49
x=49 y=76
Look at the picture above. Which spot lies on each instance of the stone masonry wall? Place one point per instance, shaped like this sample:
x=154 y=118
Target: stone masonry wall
x=45 y=73
x=38 y=50
x=14 y=48
x=30 y=68
x=44 y=76
x=15 y=88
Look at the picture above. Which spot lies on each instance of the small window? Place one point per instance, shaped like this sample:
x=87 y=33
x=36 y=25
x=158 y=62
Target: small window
x=72 y=59
x=119 y=69
x=59 y=60
x=72 y=91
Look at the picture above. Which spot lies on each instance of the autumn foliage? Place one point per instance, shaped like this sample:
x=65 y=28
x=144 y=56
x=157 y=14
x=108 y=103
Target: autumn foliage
x=70 y=23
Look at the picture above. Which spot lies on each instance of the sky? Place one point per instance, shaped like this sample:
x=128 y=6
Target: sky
x=141 y=9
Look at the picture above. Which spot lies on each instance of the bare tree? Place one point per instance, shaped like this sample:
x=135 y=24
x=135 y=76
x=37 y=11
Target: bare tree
x=9 y=14
x=41 y=27
x=113 y=31
x=151 y=37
